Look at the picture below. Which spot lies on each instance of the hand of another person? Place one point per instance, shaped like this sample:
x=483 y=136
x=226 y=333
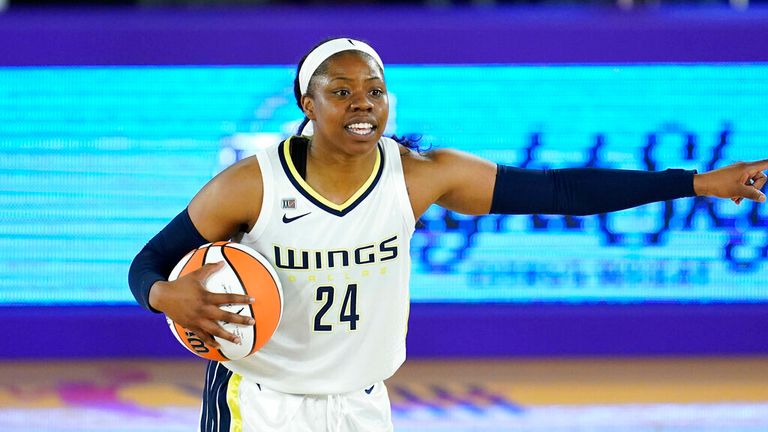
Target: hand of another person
x=187 y=302
x=736 y=181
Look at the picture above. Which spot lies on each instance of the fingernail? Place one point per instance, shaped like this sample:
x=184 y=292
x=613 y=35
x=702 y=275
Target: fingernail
x=251 y=299
x=237 y=340
x=251 y=321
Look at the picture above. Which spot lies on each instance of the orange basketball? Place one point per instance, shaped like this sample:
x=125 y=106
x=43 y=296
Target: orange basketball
x=246 y=272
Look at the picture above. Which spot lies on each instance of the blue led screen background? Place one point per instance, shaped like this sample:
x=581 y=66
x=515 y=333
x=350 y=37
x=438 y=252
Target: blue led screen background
x=94 y=161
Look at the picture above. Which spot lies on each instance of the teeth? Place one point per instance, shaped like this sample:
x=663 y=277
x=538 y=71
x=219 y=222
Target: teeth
x=360 y=128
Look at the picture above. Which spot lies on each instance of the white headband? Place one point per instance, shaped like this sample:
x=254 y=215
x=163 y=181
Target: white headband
x=321 y=54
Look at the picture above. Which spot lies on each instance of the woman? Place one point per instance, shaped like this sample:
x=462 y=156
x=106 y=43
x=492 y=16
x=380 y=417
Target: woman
x=334 y=210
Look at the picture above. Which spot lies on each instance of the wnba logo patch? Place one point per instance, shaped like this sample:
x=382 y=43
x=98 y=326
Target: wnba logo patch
x=288 y=203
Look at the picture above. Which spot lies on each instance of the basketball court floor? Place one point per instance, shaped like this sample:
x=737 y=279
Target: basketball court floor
x=625 y=395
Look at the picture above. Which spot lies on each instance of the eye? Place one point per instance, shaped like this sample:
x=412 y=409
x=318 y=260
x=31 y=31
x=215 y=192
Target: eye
x=377 y=92
x=341 y=92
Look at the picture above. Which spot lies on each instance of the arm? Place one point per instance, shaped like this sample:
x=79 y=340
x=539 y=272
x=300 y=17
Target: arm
x=228 y=203
x=470 y=185
x=584 y=191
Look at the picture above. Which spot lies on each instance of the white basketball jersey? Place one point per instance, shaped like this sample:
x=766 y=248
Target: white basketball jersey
x=345 y=270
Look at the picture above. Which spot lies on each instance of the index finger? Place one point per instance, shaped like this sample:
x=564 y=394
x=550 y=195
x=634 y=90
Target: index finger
x=207 y=270
x=221 y=299
x=760 y=165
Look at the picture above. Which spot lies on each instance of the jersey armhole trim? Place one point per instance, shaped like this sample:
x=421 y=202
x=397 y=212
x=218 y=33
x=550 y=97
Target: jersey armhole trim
x=402 y=193
x=267 y=200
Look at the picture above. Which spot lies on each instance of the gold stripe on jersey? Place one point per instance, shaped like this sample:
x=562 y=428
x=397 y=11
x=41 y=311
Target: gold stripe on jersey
x=233 y=400
x=308 y=189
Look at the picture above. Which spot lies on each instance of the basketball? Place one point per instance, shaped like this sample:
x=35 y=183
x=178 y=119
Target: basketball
x=246 y=272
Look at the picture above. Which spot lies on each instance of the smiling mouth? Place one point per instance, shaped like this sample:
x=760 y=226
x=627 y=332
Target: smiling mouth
x=361 y=129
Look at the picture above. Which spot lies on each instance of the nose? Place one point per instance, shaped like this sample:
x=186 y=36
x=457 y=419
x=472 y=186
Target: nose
x=361 y=103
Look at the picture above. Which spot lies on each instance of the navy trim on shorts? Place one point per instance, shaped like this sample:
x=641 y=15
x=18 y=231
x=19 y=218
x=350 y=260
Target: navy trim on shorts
x=215 y=415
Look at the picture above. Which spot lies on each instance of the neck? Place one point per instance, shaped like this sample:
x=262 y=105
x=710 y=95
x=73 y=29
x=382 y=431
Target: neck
x=321 y=156
x=338 y=175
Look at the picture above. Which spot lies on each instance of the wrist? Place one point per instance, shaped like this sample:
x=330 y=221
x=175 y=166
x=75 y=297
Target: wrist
x=699 y=184
x=154 y=300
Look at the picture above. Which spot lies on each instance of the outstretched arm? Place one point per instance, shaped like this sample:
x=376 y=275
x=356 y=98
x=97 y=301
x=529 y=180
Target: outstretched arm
x=470 y=185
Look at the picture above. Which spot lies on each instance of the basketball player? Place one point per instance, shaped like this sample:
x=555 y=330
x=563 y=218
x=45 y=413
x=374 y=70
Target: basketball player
x=333 y=209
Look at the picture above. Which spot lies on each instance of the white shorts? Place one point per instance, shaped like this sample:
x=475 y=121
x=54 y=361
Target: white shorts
x=232 y=403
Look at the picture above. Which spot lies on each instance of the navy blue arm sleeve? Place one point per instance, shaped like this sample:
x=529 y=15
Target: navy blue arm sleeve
x=584 y=191
x=158 y=257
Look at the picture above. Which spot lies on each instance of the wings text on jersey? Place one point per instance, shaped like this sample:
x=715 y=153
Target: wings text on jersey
x=304 y=259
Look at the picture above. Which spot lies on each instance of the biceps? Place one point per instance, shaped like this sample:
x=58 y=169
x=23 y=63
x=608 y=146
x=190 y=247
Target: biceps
x=211 y=217
x=223 y=208
x=470 y=181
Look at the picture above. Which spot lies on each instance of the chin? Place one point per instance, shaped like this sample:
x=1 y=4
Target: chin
x=364 y=140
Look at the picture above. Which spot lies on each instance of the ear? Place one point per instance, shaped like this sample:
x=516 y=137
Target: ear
x=308 y=105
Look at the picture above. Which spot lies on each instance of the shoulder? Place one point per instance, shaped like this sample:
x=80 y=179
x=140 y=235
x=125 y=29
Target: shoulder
x=431 y=162
x=428 y=175
x=451 y=178
x=231 y=199
x=243 y=174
